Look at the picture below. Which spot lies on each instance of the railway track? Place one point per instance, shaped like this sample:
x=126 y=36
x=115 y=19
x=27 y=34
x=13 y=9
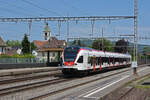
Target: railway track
x=126 y=93
x=80 y=84
x=77 y=85
x=33 y=76
x=132 y=83
x=21 y=88
x=9 y=90
x=29 y=77
x=16 y=76
x=30 y=86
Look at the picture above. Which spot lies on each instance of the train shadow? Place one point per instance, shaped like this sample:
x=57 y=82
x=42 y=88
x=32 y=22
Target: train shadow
x=106 y=70
x=90 y=73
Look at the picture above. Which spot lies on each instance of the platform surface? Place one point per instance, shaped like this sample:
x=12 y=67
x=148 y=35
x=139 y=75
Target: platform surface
x=5 y=72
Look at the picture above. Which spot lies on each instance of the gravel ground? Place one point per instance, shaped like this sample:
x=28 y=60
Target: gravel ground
x=25 y=82
x=134 y=94
x=2 y=86
x=132 y=91
x=138 y=94
x=25 y=95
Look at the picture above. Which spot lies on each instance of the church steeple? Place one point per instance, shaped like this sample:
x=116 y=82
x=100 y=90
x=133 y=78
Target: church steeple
x=47 y=32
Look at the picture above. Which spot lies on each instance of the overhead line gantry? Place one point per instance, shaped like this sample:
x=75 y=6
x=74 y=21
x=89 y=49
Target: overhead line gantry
x=83 y=18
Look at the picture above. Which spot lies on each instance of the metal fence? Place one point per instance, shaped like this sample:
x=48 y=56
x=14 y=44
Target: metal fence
x=21 y=60
x=40 y=60
x=143 y=61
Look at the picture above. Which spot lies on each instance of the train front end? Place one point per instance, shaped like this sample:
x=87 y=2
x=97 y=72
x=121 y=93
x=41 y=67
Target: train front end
x=69 y=65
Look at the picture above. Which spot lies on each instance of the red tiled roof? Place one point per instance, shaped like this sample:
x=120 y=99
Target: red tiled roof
x=51 y=44
x=147 y=53
x=39 y=44
x=54 y=43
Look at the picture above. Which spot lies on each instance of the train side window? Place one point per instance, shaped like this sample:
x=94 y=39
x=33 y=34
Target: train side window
x=107 y=60
x=121 y=59
x=126 y=60
x=89 y=60
x=80 y=60
x=116 y=59
x=104 y=59
x=97 y=60
x=113 y=60
x=110 y=59
x=101 y=60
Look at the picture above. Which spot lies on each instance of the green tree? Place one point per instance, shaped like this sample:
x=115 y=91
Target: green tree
x=146 y=50
x=33 y=47
x=77 y=43
x=74 y=42
x=25 y=45
x=13 y=43
x=121 y=46
x=107 y=45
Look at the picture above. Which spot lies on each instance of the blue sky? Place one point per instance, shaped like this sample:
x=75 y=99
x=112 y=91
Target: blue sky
x=48 y=8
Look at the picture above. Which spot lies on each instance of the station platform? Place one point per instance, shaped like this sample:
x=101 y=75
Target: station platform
x=8 y=72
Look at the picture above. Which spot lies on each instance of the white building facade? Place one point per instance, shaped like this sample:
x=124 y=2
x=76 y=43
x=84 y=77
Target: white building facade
x=2 y=46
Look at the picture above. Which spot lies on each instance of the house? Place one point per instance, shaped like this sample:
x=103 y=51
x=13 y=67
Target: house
x=49 y=50
x=2 y=46
x=147 y=53
x=10 y=51
x=41 y=55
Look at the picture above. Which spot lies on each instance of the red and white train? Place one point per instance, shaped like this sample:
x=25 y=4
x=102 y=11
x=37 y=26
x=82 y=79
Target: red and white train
x=80 y=60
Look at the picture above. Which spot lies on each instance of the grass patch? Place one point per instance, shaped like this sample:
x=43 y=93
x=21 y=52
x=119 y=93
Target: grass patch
x=139 y=83
x=17 y=56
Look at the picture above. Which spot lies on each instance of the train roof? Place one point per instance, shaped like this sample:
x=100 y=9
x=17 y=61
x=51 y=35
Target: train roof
x=106 y=52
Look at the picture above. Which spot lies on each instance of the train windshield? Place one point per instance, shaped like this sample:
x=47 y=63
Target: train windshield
x=70 y=53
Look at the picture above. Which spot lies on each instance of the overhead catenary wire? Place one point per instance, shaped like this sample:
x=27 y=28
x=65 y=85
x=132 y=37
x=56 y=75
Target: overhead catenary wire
x=44 y=9
x=22 y=9
x=73 y=7
x=12 y=11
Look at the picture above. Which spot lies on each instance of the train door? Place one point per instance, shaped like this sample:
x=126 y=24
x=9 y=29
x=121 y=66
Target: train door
x=89 y=65
x=100 y=63
x=94 y=63
x=85 y=61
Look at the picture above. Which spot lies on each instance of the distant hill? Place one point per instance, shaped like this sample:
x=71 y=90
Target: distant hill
x=140 y=47
x=86 y=42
